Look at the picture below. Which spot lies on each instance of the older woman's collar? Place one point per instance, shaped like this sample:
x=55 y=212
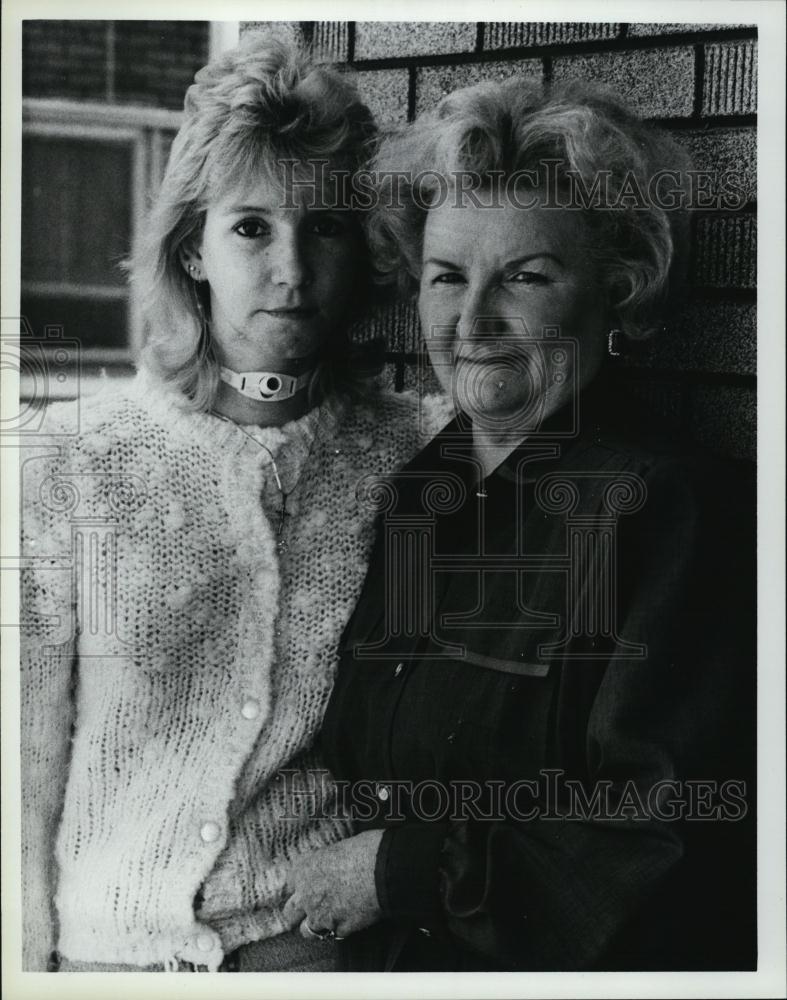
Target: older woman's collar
x=551 y=445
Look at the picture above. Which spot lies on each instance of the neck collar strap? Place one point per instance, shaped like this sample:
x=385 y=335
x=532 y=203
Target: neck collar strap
x=266 y=387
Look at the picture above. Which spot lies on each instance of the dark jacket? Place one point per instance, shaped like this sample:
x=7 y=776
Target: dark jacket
x=546 y=698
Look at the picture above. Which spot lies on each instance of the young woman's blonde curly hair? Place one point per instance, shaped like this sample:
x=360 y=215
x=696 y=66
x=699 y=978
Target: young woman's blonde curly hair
x=495 y=130
x=251 y=109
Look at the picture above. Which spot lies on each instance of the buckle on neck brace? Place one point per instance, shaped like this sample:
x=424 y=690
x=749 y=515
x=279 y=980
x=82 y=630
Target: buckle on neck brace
x=266 y=387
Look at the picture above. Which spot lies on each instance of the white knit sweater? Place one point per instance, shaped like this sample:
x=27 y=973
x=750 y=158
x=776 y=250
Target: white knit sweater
x=176 y=660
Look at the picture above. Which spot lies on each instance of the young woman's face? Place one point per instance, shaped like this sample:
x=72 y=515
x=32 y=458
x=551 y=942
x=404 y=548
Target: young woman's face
x=493 y=282
x=281 y=274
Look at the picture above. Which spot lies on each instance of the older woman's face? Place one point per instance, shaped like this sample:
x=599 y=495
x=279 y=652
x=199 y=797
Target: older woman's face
x=281 y=274
x=492 y=280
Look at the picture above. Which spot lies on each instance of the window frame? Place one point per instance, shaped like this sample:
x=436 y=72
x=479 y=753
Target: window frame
x=141 y=128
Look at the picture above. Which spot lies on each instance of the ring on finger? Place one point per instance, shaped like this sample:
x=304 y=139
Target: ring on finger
x=331 y=935
x=320 y=935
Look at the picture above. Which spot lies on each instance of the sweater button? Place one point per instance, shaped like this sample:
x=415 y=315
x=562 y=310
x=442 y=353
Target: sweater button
x=175 y=517
x=250 y=709
x=205 y=942
x=180 y=596
x=318 y=519
x=100 y=445
x=209 y=832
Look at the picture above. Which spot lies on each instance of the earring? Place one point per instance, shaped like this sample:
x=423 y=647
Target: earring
x=615 y=343
x=195 y=272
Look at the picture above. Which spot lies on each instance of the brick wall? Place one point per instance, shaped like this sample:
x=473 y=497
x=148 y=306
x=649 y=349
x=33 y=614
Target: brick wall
x=125 y=62
x=698 y=81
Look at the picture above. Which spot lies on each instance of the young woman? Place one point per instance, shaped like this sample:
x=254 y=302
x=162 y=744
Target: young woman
x=210 y=517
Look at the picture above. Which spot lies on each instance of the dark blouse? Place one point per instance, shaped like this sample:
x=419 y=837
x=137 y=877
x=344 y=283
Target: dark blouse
x=546 y=699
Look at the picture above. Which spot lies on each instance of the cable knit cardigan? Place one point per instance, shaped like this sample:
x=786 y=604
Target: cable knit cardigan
x=177 y=656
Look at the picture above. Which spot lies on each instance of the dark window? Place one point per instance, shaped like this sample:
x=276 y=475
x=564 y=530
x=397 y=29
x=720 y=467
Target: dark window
x=148 y=63
x=76 y=230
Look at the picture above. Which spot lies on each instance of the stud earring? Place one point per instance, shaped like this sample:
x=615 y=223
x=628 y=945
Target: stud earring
x=615 y=343
x=195 y=272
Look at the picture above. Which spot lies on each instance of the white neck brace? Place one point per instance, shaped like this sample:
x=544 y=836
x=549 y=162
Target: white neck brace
x=266 y=387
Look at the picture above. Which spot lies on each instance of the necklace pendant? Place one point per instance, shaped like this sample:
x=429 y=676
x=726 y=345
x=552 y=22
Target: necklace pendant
x=281 y=542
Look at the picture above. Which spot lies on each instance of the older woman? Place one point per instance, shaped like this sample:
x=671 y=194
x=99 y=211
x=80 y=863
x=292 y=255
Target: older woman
x=543 y=712
x=209 y=516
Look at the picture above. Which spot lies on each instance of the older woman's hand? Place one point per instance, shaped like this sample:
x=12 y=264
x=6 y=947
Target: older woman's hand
x=333 y=889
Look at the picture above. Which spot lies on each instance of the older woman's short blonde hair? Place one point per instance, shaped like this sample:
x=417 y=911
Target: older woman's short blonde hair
x=583 y=133
x=257 y=106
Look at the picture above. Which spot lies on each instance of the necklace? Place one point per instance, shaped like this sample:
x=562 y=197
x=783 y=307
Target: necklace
x=281 y=544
